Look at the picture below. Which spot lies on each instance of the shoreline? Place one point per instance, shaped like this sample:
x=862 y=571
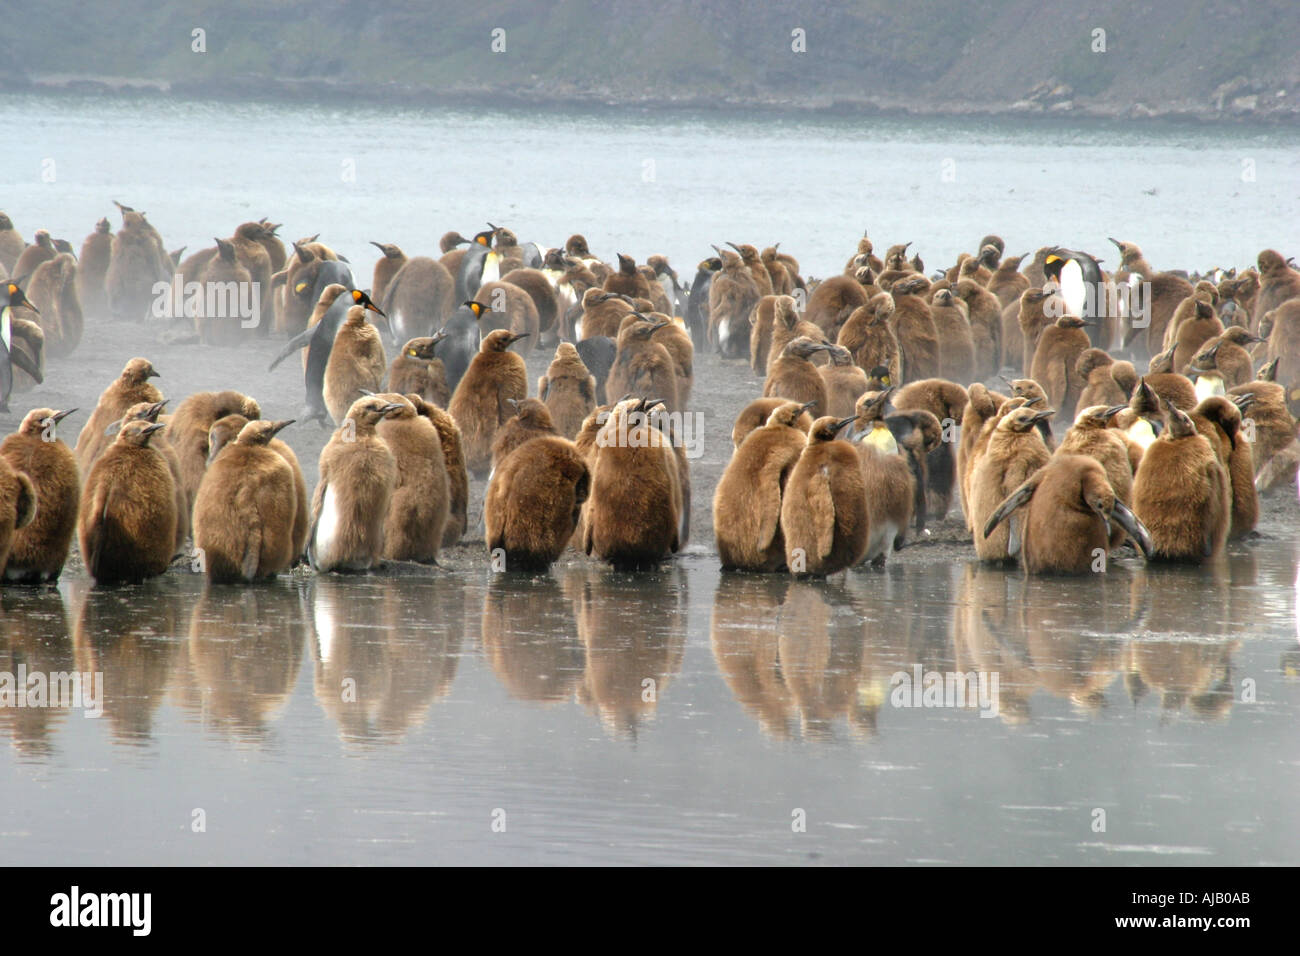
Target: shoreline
x=1045 y=104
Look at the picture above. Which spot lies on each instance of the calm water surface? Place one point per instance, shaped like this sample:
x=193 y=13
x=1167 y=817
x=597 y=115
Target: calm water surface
x=682 y=716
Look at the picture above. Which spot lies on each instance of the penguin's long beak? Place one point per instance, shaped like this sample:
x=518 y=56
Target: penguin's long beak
x=844 y=422
x=1033 y=401
x=151 y=428
x=389 y=408
x=60 y=416
x=1116 y=243
x=1113 y=411
x=1044 y=414
x=521 y=335
x=280 y=426
x=1134 y=527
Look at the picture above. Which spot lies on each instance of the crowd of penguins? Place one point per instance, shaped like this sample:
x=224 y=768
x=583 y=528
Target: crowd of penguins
x=881 y=401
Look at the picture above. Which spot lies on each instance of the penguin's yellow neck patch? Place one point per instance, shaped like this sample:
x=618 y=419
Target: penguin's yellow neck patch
x=880 y=437
x=1142 y=433
x=1209 y=385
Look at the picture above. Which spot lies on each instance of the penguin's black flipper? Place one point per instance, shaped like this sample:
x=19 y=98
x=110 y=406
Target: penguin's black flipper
x=21 y=359
x=298 y=342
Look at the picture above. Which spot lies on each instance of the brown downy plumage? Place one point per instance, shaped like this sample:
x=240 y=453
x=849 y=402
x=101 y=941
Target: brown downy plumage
x=356 y=364
x=1195 y=329
x=1278 y=282
x=677 y=341
x=956 y=342
x=1226 y=354
x=1162 y=379
x=985 y=317
x=1070 y=513
x=417 y=369
x=568 y=390
x=40 y=548
x=889 y=475
x=1182 y=493
x=786 y=327
x=1167 y=291
x=868 y=335
x=11 y=244
x=824 y=516
x=1282 y=326
x=417 y=511
x=481 y=401
x=643 y=367
x=627 y=280
x=1091 y=435
x=602 y=313
x=755 y=415
x=386 y=267
x=538 y=288
x=633 y=518
x=53 y=291
x=1055 y=365
x=732 y=296
x=17 y=506
x=1096 y=368
x=749 y=255
x=913 y=326
x=245 y=509
x=453 y=456
x=982 y=405
x=1015 y=451
x=41 y=250
x=795 y=378
x=187 y=433
x=1038 y=310
x=349 y=508
x=92 y=268
x=783 y=280
x=532 y=420
x=747 y=502
x=217 y=322
x=835 y=299
x=225 y=430
x=509 y=307
x=947 y=402
x=844 y=382
x=534 y=502
x=149 y=413
x=132 y=387
x=1219 y=419
x=127 y=521
x=1007 y=282
x=254 y=257
x=419 y=297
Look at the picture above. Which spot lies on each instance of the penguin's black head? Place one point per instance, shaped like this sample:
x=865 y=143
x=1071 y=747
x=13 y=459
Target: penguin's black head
x=14 y=296
x=363 y=300
x=478 y=308
x=484 y=238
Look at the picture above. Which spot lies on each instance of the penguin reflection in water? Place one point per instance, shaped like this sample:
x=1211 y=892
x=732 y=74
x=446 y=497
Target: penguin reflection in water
x=1066 y=526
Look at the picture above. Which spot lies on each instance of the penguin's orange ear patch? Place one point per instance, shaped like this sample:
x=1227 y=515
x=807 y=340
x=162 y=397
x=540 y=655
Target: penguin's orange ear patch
x=300 y=288
x=1053 y=259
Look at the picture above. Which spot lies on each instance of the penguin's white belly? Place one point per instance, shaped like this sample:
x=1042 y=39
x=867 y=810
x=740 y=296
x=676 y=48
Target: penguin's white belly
x=1208 y=386
x=327 y=528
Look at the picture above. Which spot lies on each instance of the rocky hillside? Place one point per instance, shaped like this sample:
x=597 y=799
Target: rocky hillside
x=1207 y=59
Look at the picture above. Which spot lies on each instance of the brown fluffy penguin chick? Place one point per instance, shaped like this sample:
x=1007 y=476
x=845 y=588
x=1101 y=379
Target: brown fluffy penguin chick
x=40 y=548
x=386 y=267
x=1015 y=451
x=753 y=261
x=130 y=388
x=913 y=326
x=676 y=342
x=867 y=334
x=245 y=509
x=127 y=521
x=1227 y=354
x=786 y=327
x=453 y=456
x=417 y=369
x=887 y=476
x=795 y=378
x=417 y=512
x=1037 y=310
x=633 y=516
x=747 y=502
x=824 y=509
x=225 y=430
x=1096 y=369
x=1278 y=282
x=481 y=401
x=1182 y=493
x=984 y=313
x=1055 y=362
x=11 y=244
x=844 y=382
x=534 y=502
x=1219 y=419
x=982 y=405
x=1071 y=517
x=187 y=433
x=92 y=267
x=1007 y=282
x=956 y=342
x=1091 y=435
x=349 y=508
x=1173 y=387
x=17 y=506
x=219 y=319
x=1199 y=326
x=642 y=366
x=160 y=443
x=1167 y=290
x=946 y=401
x=755 y=415
x=568 y=390
x=356 y=365
x=732 y=296
x=1264 y=403
x=833 y=301
x=531 y=420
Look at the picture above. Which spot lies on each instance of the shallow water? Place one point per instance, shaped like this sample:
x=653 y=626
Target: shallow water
x=682 y=716
x=685 y=715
